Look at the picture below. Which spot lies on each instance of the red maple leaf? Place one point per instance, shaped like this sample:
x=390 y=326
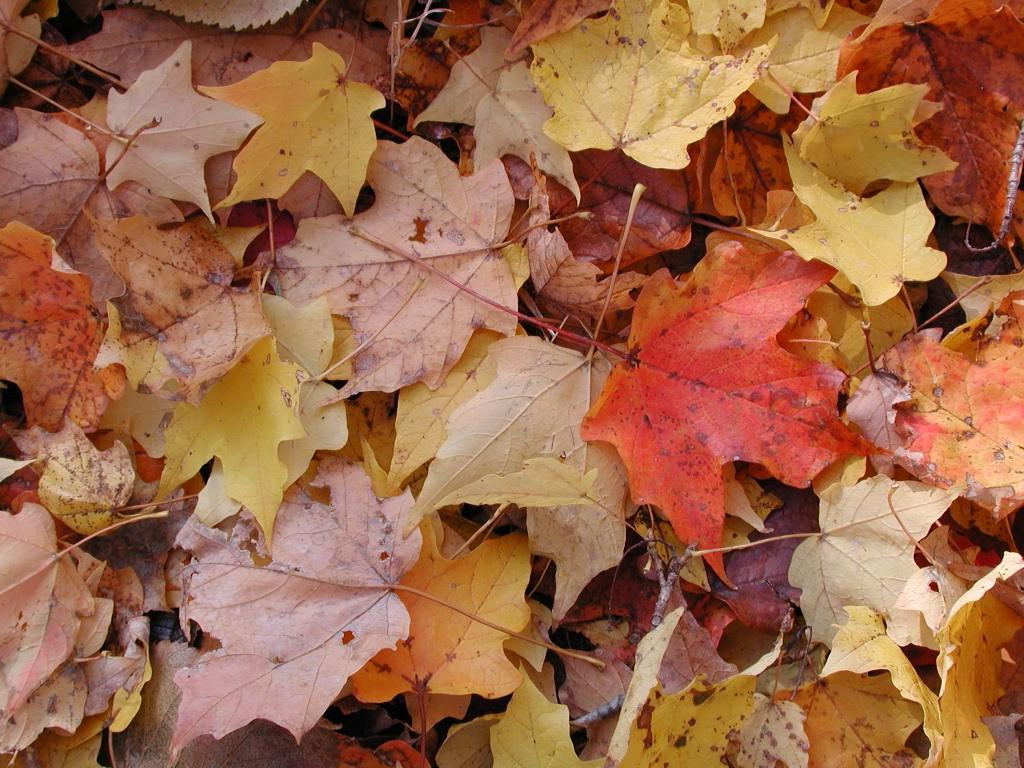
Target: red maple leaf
x=712 y=385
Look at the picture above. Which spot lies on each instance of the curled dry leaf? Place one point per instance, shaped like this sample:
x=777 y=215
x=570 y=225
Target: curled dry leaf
x=237 y=14
x=292 y=631
x=50 y=334
x=180 y=325
x=79 y=484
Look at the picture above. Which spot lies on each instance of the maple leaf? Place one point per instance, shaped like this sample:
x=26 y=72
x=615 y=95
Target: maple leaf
x=292 y=631
x=690 y=726
x=47 y=595
x=242 y=420
x=863 y=555
x=804 y=52
x=315 y=119
x=49 y=334
x=639 y=55
x=15 y=51
x=237 y=14
x=859 y=138
x=79 y=484
x=855 y=234
x=180 y=324
x=730 y=22
x=861 y=646
x=712 y=385
x=136 y=39
x=971 y=57
x=457 y=655
x=410 y=325
x=954 y=432
x=168 y=158
x=773 y=733
x=534 y=733
x=539 y=394
x=502 y=102
x=544 y=18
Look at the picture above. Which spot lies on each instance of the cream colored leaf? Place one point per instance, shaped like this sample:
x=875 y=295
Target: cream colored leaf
x=236 y=14
x=772 y=734
x=79 y=484
x=542 y=482
x=168 y=158
x=804 y=54
x=859 y=138
x=533 y=408
x=305 y=334
x=878 y=242
x=410 y=325
x=630 y=81
x=864 y=556
x=139 y=417
x=422 y=411
x=982 y=299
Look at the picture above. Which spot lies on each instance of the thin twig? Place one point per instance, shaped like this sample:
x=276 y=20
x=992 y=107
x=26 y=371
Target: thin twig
x=128 y=145
x=94 y=126
x=594 y=716
x=63 y=54
x=896 y=517
x=638 y=191
x=1010 y=200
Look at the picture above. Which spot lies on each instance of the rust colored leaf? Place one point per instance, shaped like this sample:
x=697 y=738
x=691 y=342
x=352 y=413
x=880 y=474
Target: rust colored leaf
x=49 y=334
x=751 y=163
x=972 y=59
x=549 y=17
x=712 y=385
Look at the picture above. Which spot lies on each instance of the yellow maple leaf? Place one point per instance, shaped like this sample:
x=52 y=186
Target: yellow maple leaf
x=858 y=138
x=629 y=80
x=314 y=120
x=877 y=242
x=728 y=20
x=241 y=420
x=534 y=733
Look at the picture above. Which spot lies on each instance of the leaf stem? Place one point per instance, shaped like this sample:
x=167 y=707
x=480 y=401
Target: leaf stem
x=63 y=54
x=94 y=126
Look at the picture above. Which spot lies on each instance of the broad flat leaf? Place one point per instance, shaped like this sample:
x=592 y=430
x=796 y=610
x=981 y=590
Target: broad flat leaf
x=859 y=138
x=712 y=386
x=983 y=620
x=78 y=483
x=422 y=412
x=542 y=482
x=169 y=158
x=877 y=242
x=690 y=727
x=58 y=703
x=534 y=733
x=135 y=39
x=533 y=408
x=180 y=324
x=447 y=652
x=315 y=119
x=293 y=630
x=305 y=334
x=237 y=14
x=982 y=299
x=617 y=82
x=862 y=646
x=855 y=720
x=410 y=325
x=863 y=555
x=141 y=418
x=501 y=101
x=954 y=431
x=49 y=334
x=772 y=734
x=804 y=53
x=242 y=420
x=971 y=56
x=728 y=20
x=51 y=604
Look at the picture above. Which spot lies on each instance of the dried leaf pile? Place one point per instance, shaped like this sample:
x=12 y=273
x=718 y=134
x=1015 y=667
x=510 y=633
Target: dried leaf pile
x=511 y=383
